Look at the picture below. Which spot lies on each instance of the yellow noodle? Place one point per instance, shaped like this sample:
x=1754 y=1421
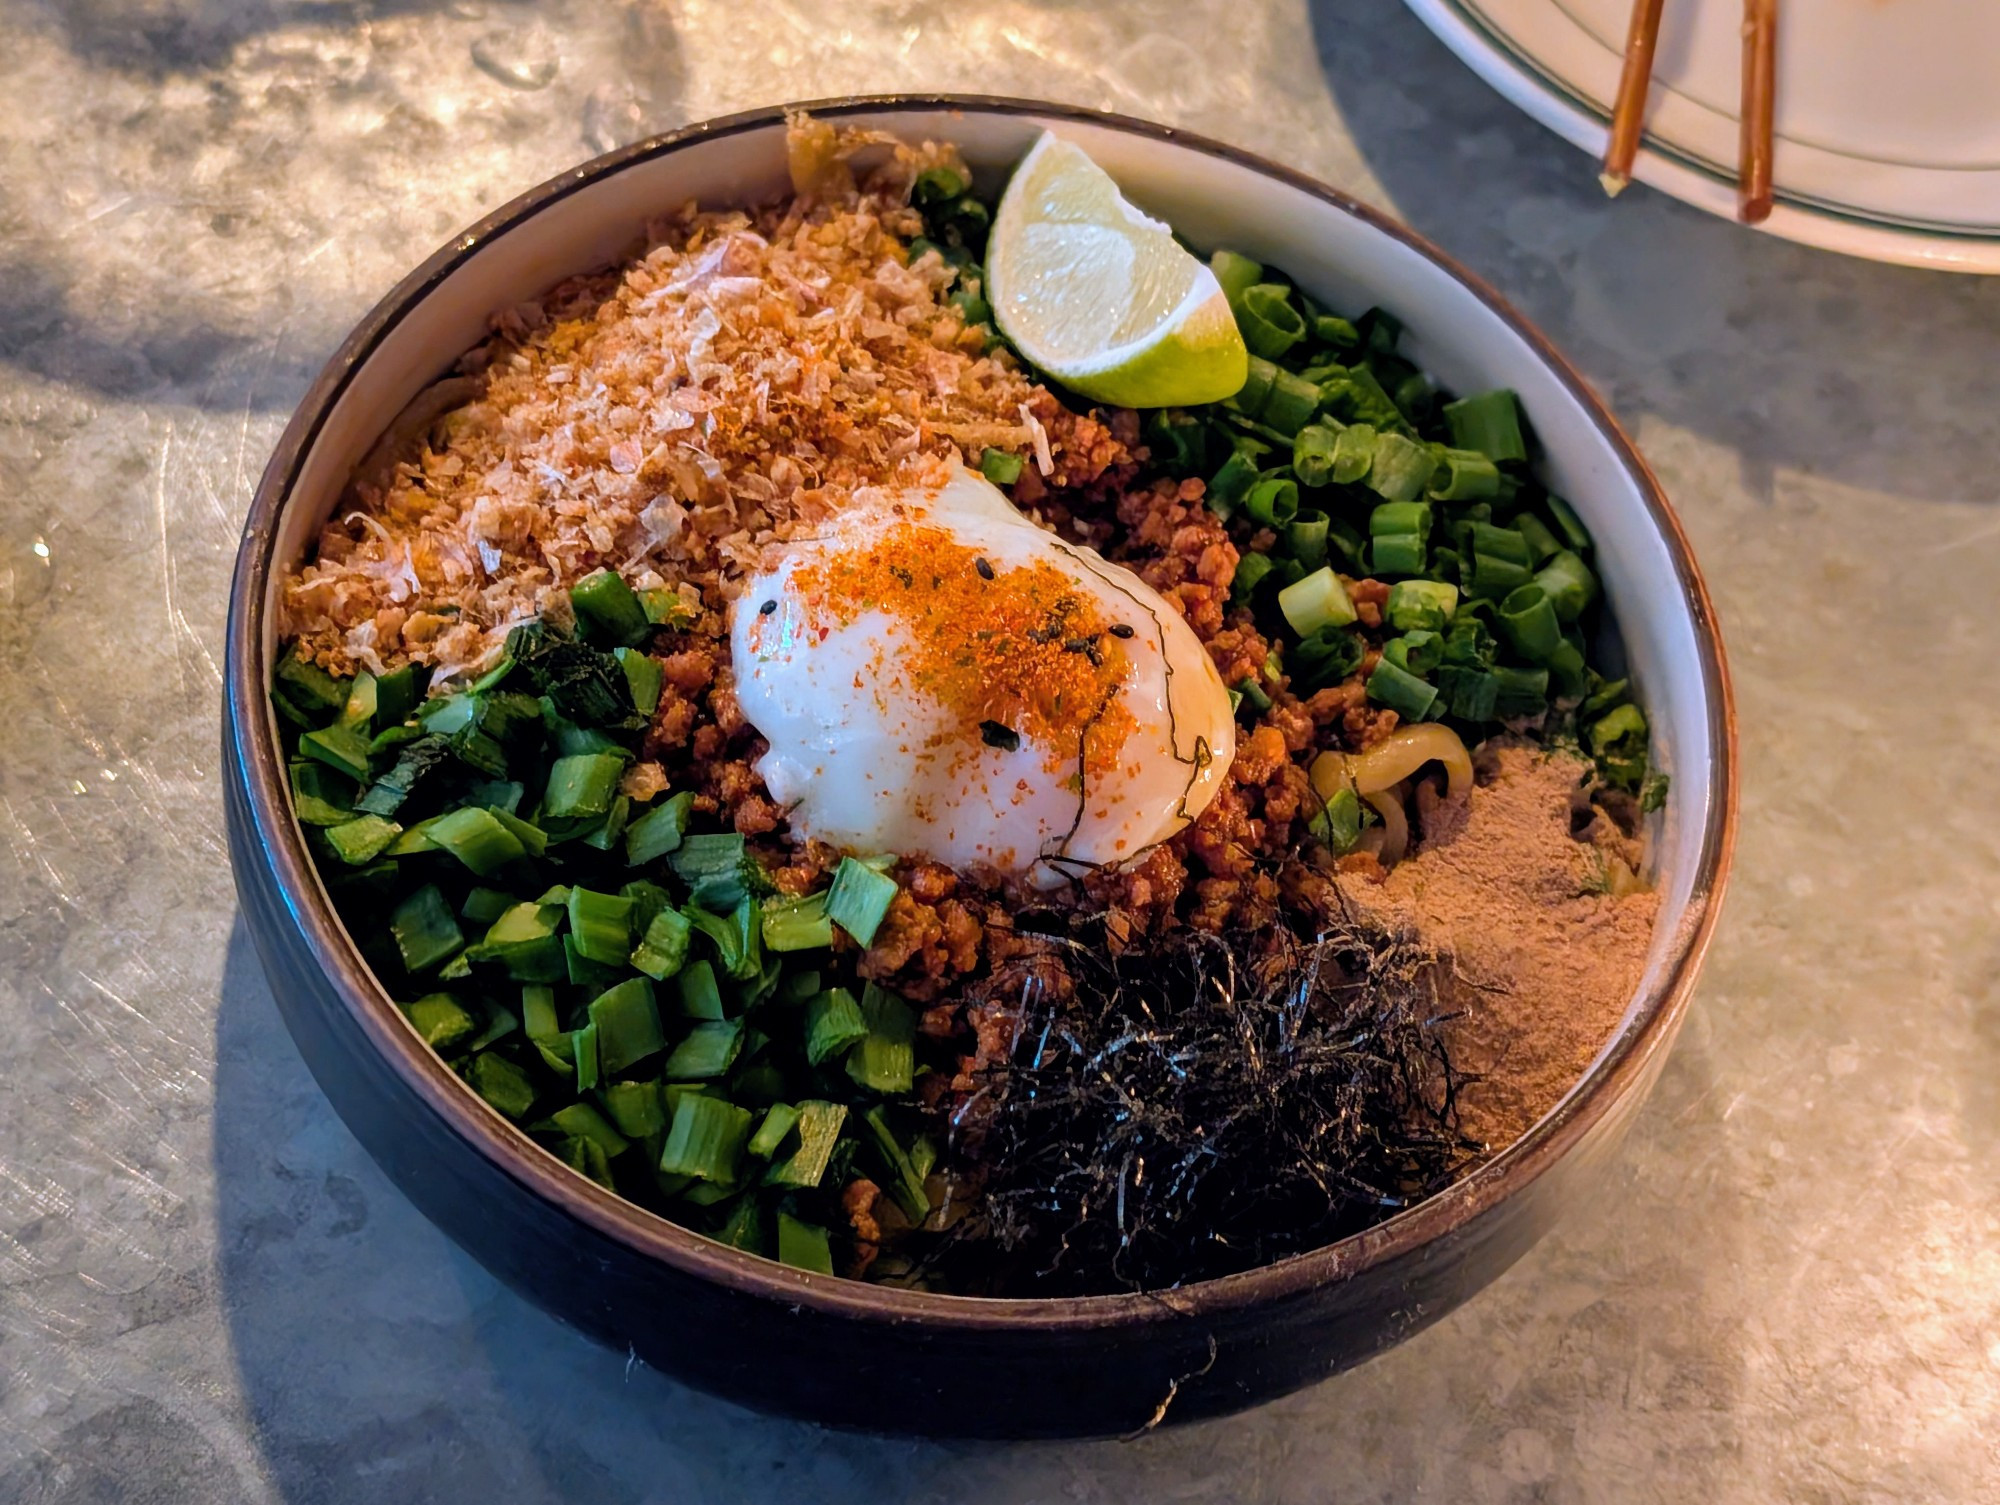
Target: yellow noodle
x=1394 y=759
x=1388 y=804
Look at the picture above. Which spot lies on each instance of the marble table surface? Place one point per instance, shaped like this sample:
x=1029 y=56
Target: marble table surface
x=1789 y=1291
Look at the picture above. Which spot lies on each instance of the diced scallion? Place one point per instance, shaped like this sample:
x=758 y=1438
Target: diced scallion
x=859 y=899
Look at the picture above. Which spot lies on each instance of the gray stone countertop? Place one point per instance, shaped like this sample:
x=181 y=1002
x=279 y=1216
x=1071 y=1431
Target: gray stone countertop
x=1790 y=1289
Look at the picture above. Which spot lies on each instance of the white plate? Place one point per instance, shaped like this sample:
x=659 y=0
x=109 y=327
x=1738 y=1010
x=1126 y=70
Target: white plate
x=1888 y=111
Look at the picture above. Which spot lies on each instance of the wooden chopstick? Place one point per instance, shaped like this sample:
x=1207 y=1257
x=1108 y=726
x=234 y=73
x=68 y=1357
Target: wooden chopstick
x=1628 y=111
x=1760 y=87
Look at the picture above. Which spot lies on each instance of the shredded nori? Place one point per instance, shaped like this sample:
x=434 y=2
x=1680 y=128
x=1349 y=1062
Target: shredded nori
x=1187 y=1106
x=585 y=684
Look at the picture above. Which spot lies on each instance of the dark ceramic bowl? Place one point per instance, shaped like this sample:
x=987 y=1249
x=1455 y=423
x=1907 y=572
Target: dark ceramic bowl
x=859 y=1355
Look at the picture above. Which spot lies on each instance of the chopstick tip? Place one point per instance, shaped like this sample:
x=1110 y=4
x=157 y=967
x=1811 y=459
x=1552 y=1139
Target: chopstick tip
x=1613 y=183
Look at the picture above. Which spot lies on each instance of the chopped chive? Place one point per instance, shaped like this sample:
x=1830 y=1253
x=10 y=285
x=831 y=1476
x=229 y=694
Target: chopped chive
x=644 y=676
x=779 y=1120
x=1470 y=694
x=859 y=900
x=627 y=1021
x=362 y=839
x=1249 y=692
x=739 y=947
x=477 y=839
x=587 y=1158
x=1337 y=825
x=709 y=1050
x=706 y=1139
x=1319 y=600
x=501 y=1083
x=1520 y=692
x=1489 y=422
x=414 y=760
x=744 y=1227
x=583 y=1051
x=659 y=831
x=712 y=866
x=1427 y=604
x=321 y=796
x=602 y=925
x=425 y=931
x=834 y=1021
x=819 y=1128
x=604 y=835
x=608 y=611
x=1568 y=677
x=342 y=748
x=1401 y=691
x=635 y=1107
x=400 y=692
x=538 y=1012
x=797 y=924
x=700 y=995
x=665 y=608
x=884 y=1059
x=904 y=1182
x=662 y=951
x=1000 y=467
x=440 y=1019
x=1229 y=484
x=309 y=687
x=582 y=1121
x=534 y=840
x=804 y=1246
x=582 y=784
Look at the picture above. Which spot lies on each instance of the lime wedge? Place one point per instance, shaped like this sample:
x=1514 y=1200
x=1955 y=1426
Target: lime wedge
x=1100 y=296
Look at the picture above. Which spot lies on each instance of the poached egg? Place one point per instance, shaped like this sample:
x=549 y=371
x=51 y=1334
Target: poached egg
x=938 y=677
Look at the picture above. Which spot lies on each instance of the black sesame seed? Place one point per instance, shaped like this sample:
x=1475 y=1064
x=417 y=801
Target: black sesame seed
x=1121 y=629
x=985 y=569
x=767 y=608
x=1003 y=737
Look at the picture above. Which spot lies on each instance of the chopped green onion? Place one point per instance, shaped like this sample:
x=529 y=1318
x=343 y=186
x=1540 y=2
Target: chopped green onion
x=1569 y=585
x=308 y=687
x=602 y=925
x=1462 y=476
x=779 y=1121
x=999 y=466
x=1237 y=274
x=1313 y=449
x=884 y=1060
x=1568 y=677
x=706 y=1140
x=797 y=924
x=414 y=760
x=1529 y=623
x=1305 y=537
x=439 y=1019
x=1273 y=501
x=322 y=797
x=538 y=1013
x=1396 y=554
x=1520 y=692
x=1319 y=600
x=400 y=692
x=1227 y=487
x=607 y=610
x=1250 y=572
x=712 y=865
x=501 y=1083
x=1337 y=826
x=1256 y=389
x=582 y=1121
x=1402 y=468
x=1604 y=694
x=665 y=608
x=1399 y=690
x=905 y=1182
x=804 y=1246
x=936 y=185
x=485 y=905
x=859 y=900
x=1427 y=604
x=582 y=784
x=1290 y=404
x=709 y=1050
x=1469 y=694
x=1326 y=658
x=1568 y=524
x=1353 y=454
x=362 y=839
x=1618 y=740
x=583 y=1051
x=1270 y=325
x=627 y=1021
x=1417 y=652
x=834 y=1021
x=662 y=951
x=1248 y=691
x=425 y=931
x=700 y=994
x=819 y=1128
x=1489 y=422
x=1542 y=544
x=1353 y=395
x=1399 y=518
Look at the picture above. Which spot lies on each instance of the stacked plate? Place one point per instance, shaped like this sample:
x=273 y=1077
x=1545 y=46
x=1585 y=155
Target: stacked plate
x=1888 y=111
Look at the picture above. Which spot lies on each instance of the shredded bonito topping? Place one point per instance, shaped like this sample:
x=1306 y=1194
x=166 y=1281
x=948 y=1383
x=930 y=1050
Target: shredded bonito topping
x=727 y=390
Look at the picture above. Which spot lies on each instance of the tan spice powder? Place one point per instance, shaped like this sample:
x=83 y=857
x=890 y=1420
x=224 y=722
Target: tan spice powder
x=1541 y=959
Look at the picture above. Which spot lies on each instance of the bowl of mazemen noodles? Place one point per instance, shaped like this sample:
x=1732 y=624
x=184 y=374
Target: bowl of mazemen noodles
x=655 y=656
